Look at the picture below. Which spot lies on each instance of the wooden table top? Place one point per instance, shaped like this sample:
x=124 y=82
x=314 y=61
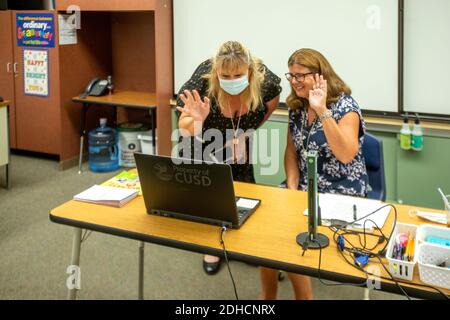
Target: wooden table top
x=134 y=99
x=267 y=238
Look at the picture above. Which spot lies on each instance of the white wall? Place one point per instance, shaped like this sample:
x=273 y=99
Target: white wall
x=427 y=56
x=358 y=37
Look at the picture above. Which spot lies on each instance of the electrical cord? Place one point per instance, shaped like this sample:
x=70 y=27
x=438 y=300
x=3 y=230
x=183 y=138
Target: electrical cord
x=363 y=284
x=415 y=284
x=367 y=252
x=340 y=227
x=222 y=242
x=338 y=230
x=396 y=281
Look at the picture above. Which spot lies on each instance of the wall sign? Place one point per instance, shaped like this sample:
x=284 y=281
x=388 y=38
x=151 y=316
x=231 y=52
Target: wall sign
x=36 y=71
x=67 y=32
x=35 y=30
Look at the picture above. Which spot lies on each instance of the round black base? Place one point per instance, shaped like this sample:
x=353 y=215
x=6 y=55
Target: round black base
x=321 y=240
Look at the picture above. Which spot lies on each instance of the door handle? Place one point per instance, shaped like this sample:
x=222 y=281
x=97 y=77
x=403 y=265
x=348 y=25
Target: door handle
x=8 y=67
x=15 y=69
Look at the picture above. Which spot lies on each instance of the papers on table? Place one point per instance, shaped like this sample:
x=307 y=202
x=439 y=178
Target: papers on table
x=247 y=203
x=341 y=208
x=109 y=196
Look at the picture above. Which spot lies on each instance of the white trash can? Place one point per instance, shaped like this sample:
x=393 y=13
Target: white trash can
x=146 y=143
x=129 y=142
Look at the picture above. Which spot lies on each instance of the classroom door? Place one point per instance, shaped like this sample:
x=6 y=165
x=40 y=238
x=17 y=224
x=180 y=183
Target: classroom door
x=7 y=70
x=37 y=92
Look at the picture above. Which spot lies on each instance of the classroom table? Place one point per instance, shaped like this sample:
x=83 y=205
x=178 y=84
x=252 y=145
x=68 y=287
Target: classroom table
x=126 y=99
x=5 y=153
x=267 y=238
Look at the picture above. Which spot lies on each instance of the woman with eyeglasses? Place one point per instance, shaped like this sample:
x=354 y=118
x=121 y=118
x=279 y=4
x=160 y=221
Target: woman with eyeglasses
x=233 y=92
x=322 y=117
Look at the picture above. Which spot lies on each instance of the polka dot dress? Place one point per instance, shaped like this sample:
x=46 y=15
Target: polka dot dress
x=270 y=88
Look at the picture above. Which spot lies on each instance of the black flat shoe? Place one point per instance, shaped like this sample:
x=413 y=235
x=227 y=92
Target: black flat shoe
x=211 y=268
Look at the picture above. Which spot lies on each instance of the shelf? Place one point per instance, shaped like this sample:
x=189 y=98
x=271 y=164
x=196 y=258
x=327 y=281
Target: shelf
x=112 y=5
x=383 y=124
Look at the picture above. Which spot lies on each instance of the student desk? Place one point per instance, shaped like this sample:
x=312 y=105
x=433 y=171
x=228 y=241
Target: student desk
x=126 y=99
x=5 y=158
x=267 y=238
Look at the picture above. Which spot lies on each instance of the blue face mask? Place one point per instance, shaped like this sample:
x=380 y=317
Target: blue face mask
x=235 y=86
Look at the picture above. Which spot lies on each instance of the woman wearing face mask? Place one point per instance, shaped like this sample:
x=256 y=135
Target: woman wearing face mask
x=322 y=117
x=232 y=92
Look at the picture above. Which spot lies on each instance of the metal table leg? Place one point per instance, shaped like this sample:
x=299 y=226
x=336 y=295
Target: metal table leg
x=8 y=173
x=82 y=135
x=75 y=260
x=8 y=165
x=153 y=113
x=141 y=271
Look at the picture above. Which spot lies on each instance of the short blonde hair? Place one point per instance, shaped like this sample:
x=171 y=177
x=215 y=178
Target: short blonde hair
x=317 y=63
x=232 y=55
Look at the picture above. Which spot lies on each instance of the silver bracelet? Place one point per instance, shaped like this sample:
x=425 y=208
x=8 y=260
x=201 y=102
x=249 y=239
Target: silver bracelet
x=327 y=114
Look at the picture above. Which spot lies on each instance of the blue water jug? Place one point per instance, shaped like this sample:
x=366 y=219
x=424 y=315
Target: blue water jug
x=103 y=151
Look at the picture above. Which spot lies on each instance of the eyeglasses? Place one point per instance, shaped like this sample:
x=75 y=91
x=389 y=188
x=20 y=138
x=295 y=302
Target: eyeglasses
x=300 y=77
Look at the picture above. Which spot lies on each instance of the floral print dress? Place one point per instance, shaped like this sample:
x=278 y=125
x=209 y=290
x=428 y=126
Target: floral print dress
x=333 y=176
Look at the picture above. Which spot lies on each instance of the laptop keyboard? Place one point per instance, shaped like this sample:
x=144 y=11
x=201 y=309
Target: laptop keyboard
x=242 y=213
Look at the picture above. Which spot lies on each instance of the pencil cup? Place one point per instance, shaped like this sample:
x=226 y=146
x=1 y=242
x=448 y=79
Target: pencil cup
x=399 y=268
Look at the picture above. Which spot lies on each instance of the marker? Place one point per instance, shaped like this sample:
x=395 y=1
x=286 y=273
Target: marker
x=355 y=215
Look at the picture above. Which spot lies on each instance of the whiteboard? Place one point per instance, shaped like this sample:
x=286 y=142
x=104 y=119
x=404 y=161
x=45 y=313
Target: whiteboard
x=358 y=37
x=427 y=56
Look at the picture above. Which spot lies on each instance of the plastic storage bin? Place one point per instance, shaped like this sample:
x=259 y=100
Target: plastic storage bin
x=399 y=268
x=103 y=154
x=429 y=257
x=427 y=230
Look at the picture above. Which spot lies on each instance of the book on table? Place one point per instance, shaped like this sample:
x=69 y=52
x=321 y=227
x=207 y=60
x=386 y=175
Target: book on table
x=105 y=195
x=125 y=179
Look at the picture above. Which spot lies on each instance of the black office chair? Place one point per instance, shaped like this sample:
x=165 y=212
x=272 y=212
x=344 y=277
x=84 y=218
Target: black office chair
x=372 y=151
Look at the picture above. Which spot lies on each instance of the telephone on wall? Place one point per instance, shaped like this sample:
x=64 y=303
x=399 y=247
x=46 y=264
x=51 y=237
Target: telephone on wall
x=96 y=87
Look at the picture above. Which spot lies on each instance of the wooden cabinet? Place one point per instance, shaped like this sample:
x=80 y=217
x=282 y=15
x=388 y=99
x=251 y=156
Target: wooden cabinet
x=7 y=69
x=132 y=41
x=137 y=36
x=37 y=118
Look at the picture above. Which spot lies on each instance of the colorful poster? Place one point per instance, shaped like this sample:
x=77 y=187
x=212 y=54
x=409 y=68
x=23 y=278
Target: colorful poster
x=35 y=30
x=35 y=66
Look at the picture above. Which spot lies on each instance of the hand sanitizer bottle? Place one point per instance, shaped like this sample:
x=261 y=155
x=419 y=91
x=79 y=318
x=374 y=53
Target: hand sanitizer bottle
x=417 y=135
x=405 y=134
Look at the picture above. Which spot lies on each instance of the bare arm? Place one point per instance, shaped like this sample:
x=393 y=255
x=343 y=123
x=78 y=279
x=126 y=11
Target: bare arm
x=343 y=137
x=271 y=106
x=291 y=164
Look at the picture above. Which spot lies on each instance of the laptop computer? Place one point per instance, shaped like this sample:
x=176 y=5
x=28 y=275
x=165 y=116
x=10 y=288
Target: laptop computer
x=193 y=190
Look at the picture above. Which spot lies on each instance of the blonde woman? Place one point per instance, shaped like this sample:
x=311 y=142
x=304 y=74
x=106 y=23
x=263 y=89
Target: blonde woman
x=323 y=117
x=231 y=92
